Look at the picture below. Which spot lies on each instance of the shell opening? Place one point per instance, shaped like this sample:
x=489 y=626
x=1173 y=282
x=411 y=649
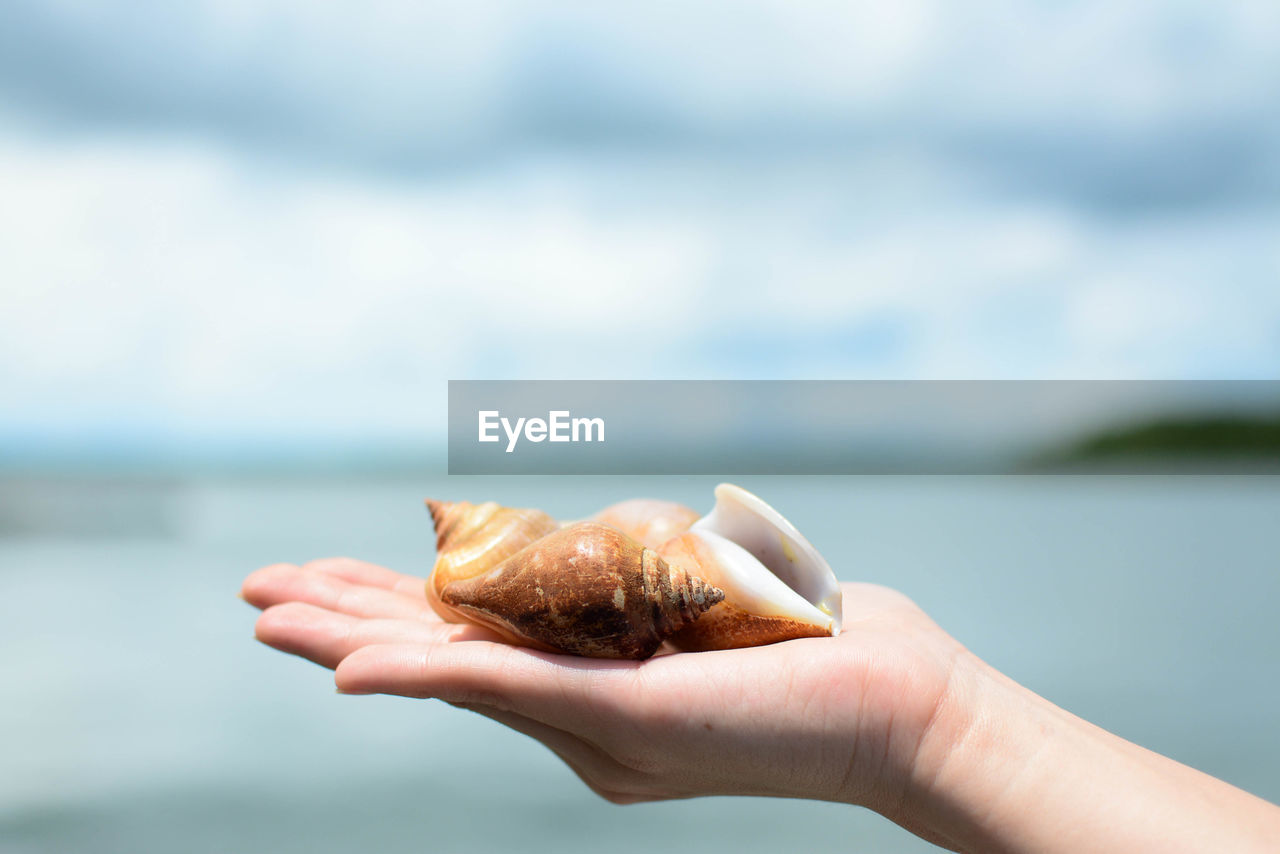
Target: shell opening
x=756 y=590
x=746 y=521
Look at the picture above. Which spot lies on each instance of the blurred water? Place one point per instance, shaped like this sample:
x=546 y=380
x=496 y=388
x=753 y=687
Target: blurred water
x=141 y=717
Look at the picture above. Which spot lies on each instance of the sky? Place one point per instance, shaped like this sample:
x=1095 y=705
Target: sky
x=288 y=221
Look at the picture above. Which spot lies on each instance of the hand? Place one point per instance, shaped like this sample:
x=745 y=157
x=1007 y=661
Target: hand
x=833 y=718
x=893 y=714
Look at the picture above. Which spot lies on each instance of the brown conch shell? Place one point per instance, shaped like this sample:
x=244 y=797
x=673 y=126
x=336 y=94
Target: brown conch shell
x=740 y=576
x=648 y=521
x=586 y=589
x=473 y=538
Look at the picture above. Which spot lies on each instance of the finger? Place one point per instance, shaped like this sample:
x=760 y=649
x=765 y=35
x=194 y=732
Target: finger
x=584 y=696
x=273 y=585
x=370 y=575
x=327 y=637
x=593 y=766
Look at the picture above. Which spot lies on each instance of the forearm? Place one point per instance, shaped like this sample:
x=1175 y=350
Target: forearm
x=1002 y=769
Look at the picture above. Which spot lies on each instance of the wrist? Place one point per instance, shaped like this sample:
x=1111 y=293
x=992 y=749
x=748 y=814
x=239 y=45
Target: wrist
x=979 y=757
x=1002 y=769
x=908 y=759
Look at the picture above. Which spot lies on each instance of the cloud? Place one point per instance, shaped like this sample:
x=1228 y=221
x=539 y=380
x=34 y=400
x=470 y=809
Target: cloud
x=191 y=288
x=415 y=85
x=201 y=234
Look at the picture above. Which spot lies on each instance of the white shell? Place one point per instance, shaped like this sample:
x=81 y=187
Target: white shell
x=768 y=565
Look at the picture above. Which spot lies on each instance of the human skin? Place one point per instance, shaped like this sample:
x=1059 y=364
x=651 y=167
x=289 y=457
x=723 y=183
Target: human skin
x=893 y=714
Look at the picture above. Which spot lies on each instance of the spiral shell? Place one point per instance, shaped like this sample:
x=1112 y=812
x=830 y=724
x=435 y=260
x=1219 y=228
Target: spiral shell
x=473 y=538
x=648 y=521
x=740 y=576
x=585 y=589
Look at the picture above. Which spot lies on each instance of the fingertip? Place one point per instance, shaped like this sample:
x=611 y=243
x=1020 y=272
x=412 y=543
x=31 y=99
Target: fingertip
x=443 y=671
x=257 y=585
x=365 y=670
x=276 y=622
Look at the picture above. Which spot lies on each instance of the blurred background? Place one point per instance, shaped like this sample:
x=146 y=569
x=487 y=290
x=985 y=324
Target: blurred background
x=244 y=245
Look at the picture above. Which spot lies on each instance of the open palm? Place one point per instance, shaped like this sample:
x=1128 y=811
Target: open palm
x=832 y=718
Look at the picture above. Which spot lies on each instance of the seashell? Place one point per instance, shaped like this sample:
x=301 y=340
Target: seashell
x=648 y=521
x=586 y=589
x=473 y=538
x=740 y=576
x=776 y=585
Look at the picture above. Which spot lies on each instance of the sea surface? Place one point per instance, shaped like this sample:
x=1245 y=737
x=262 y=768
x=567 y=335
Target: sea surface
x=139 y=715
